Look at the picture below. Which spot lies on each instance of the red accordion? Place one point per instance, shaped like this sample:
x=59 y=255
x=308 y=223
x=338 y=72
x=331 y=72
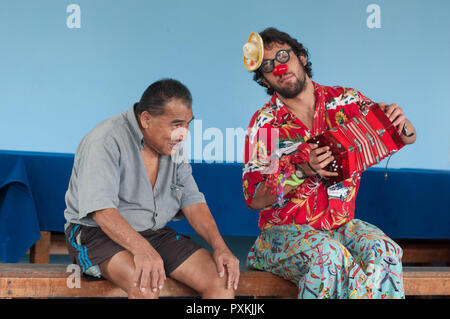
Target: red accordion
x=359 y=143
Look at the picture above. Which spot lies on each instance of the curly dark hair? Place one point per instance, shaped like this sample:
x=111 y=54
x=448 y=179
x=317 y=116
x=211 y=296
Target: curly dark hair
x=271 y=35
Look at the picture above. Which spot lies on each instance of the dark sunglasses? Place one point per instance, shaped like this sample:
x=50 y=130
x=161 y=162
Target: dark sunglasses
x=282 y=56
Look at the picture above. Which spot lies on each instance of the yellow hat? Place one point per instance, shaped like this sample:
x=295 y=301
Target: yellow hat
x=253 y=51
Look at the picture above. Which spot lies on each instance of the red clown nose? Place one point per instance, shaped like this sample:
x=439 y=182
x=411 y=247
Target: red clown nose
x=280 y=69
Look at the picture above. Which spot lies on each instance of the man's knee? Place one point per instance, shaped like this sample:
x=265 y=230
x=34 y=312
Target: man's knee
x=199 y=271
x=119 y=270
x=325 y=260
x=387 y=247
x=211 y=285
x=331 y=250
x=216 y=287
x=396 y=249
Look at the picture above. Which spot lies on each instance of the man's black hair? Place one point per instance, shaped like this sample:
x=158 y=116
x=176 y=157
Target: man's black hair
x=159 y=93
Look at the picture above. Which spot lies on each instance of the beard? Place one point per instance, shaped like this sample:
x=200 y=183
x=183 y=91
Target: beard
x=291 y=89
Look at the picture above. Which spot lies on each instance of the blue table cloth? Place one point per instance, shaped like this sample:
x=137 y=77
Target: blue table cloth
x=410 y=204
x=32 y=189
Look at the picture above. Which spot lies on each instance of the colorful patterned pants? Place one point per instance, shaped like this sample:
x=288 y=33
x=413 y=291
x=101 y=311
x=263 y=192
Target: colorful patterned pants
x=356 y=260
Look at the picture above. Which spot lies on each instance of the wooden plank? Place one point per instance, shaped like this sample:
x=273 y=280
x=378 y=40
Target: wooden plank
x=425 y=251
x=40 y=251
x=37 y=281
x=426 y=281
x=264 y=284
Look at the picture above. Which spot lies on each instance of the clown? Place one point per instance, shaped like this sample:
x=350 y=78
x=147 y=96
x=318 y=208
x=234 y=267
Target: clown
x=293 y=200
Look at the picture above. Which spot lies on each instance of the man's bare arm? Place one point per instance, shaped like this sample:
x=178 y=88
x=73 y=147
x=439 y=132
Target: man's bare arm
x=200 y=218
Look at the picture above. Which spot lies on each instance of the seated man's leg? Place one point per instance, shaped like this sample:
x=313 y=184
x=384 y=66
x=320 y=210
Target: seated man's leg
x=378 y=257
x=90 y=247
x=308 y=257
x=183 y=259
x=119 y=269
x=199 y=272
x=189 y=263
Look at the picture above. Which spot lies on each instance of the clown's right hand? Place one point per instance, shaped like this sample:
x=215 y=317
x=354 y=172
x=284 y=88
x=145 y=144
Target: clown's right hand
x=319 y=158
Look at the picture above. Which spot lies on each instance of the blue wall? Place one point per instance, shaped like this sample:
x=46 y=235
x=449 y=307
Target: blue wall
x=56 y=83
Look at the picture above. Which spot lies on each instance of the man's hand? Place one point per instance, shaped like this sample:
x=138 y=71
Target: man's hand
x=319 y=158
x=395 y=114
x=148 y=270
x=398 y=119
x=225 y=260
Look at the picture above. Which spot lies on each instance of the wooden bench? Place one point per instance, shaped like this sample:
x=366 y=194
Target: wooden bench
x=420 y=281
x=50 y=280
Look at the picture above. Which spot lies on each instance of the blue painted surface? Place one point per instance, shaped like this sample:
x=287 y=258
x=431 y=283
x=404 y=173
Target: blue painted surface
x=412 y=203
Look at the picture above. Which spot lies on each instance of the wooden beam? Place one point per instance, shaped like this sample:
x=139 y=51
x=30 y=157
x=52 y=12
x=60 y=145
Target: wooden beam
x=425 y=251
x=426 y=281
x=40 y=251
x=58 y=245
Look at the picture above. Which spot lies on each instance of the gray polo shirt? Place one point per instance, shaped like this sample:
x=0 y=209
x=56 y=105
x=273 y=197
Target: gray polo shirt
x=109 y=172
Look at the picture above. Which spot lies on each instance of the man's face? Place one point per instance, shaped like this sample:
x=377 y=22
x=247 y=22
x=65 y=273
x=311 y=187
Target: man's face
x=164 y=133
x=291 y=83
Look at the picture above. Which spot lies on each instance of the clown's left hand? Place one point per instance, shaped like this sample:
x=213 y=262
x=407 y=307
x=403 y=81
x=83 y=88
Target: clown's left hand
x=397 y=117
x=395 y=114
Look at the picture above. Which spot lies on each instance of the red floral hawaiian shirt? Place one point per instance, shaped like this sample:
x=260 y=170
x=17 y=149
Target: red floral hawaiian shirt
x=312 y=203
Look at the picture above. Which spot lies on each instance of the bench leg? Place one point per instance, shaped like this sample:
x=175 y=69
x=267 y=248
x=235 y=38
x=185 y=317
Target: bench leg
x=40 y=251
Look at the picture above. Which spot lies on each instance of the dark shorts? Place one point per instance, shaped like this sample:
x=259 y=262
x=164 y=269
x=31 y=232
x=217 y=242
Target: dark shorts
x=89 y=246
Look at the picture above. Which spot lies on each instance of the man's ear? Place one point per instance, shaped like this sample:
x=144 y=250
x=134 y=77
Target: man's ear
x=302 y=59
x=145 y=119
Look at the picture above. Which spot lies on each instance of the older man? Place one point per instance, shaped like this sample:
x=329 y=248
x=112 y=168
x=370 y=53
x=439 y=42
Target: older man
x=126 y=185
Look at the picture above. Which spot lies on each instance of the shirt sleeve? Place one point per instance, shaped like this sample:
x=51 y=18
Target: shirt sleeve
x=191 y=195
x=363 y=101
x=98 y=177
x=259 y=143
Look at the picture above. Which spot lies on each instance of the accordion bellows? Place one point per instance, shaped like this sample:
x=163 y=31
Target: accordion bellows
x=359 y=143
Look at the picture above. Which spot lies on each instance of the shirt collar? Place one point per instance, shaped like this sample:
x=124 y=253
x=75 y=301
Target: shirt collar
x=280 y=110
x=282 y=113
x=134 y=127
